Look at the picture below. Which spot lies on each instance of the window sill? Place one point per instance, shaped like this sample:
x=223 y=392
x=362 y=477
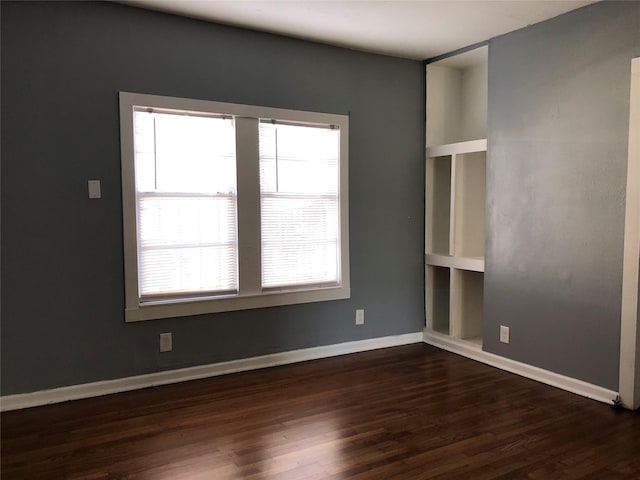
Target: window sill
x=171 y=309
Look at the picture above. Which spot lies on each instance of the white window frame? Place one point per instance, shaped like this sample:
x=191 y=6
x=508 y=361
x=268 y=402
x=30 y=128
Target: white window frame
x=251 y=294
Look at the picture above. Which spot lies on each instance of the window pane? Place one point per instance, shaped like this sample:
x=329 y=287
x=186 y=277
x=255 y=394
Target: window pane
x=299 y=205
x=298 y=159
x=299 y=241
x=180 y=153
x=186 y=204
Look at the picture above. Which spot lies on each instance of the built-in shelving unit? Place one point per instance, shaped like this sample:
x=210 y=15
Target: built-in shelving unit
x=456 y=196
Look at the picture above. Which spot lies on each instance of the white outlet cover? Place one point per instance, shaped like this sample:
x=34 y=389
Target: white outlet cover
x=94 y=189
x=166 y=342
x=504 y=334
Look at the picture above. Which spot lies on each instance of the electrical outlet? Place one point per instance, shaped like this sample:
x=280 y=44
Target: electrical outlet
x=166 y=342
x=360 y=316
x=94 y=189
x=504 y=334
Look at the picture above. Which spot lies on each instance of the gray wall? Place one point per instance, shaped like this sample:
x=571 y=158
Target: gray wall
x=558 y=128
x=62 y=271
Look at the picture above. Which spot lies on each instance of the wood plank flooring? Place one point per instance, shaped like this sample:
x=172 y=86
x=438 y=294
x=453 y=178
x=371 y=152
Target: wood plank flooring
x=403 y=413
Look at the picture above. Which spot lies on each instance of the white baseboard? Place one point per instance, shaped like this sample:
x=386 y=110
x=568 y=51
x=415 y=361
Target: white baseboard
x=475 y=352
x=460 y=347
x=95 y=389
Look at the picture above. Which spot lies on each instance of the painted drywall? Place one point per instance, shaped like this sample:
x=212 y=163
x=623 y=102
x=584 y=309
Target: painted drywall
x=556 y=175
x=62 y=268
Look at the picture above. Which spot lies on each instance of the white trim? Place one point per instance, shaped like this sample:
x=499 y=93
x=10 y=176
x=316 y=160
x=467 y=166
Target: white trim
x=474 y=264
x=475 y=352
x=250 y=294
x=188 y=307
x=248 y=171
x=629 y=328
x=452 y=205
x=235 y=109
x=95 y=389
x=457 y=148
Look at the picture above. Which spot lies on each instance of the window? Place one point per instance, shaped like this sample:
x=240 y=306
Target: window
x=299 y=204
x=229 y=207
x=185 y=176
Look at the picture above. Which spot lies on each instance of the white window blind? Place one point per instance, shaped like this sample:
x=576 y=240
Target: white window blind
x=185 y=176
x=299 y=202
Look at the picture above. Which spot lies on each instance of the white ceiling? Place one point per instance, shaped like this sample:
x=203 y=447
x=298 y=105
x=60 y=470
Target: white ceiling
x=416 y=29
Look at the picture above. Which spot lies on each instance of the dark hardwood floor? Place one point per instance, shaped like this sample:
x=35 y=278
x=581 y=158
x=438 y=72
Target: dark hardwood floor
x=412 y=412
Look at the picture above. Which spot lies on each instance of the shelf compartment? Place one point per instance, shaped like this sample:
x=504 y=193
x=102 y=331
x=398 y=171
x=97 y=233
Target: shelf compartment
x=467 y=305
x=438 y=298
x=438 y=205
x=457 y=98
x=470 y=201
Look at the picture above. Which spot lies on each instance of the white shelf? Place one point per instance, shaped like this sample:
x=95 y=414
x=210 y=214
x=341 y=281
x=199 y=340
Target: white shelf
x=455 y=197
x=455 y=345
x=469 y=146
x=475 y=341
x=474 y=264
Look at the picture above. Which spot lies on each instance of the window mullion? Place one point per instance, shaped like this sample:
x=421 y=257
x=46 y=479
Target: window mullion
x=248 y=174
